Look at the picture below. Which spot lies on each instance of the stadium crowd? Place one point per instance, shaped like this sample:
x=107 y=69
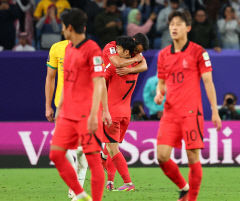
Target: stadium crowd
x=27 y=25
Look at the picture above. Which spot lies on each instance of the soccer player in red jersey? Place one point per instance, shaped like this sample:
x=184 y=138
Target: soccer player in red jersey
x=120 y=89
x=79 y=119
x=181 y=66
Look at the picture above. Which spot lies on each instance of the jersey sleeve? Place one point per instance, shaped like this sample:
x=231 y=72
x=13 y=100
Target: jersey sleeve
x=160 y=66
x=38 y=11
x=110 y=50
x=109 y=70
x=52 y=61
x=96 y=62
x=204 y=63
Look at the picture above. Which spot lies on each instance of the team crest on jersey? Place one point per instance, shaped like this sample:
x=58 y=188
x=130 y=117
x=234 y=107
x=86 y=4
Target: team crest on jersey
x=185 y=63
x=113 y=50
x=205 y=56
x=97 y=60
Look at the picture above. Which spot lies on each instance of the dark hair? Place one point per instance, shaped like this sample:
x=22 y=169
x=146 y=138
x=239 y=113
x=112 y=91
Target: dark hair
x=127 y=43
x=200 y=9
x=232 y=94
x=75 y=17
x=184 y=15
x=225 y=8
x=111 y=3
x=175 y=1
x=141 y=39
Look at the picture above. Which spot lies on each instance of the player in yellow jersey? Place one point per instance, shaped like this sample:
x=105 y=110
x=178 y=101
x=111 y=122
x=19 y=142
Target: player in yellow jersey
x=55 y=68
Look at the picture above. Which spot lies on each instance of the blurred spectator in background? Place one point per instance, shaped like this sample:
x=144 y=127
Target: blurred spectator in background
x=42 y=7
x=49 y=28
x=149 y=92
x=108 y=24
x=26 y=17
x=162 y=22
x=228 y=110
x=236 y=6
x=8 y=14
x=144 y=7
x=92 y=9
x=23 y=43
x=134 y=23
x=229 y=27
x=214 y=7
x=194 y=5
x=159 y=5
x=137 y=113
x=204 y=32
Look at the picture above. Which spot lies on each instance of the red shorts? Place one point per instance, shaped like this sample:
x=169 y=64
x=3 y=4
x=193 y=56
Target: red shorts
x=173 y=130
x=116 y=132
x=70 y=134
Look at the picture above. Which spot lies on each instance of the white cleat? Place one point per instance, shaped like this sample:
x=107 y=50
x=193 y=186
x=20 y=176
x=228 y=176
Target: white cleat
x=71 y=194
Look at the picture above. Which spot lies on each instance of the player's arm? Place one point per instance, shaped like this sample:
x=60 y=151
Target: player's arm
x=141 y=67
x=49 y=90
x=59 y=106
x=119 y=62
x=160 y=92
x=107 y=120
x=98 y=83
x=211 y=93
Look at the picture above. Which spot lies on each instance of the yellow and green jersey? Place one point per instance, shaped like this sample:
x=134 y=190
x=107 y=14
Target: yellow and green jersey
x=55 y=61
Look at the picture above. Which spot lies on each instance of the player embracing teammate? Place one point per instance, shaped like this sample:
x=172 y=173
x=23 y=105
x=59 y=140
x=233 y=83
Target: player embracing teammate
x=181 y=66
x=121 y=82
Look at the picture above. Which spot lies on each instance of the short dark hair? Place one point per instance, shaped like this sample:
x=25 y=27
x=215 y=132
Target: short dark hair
x=75 y=17
x=184 y=15
x=111 y=3
x=127 y=43
x=175 y=1
x=141 y=39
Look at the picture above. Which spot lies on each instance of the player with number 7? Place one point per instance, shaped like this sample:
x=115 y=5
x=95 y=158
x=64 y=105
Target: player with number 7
x=121 y=82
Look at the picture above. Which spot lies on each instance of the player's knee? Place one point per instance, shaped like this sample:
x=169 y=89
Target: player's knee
x=55 y=156
x=193 y=156
x=162 y=157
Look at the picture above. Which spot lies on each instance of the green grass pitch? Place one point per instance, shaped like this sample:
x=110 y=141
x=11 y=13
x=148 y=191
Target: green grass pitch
x=219 y=184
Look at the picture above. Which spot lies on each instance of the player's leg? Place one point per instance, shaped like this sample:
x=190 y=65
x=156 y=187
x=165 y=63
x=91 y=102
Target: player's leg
x=71 y=156
x=195 y=174
x=169 y=136
x=193 y=137
x=65 y=138
x=169 y=167
x=82 y=165
x=121 y=166
x=91 y=148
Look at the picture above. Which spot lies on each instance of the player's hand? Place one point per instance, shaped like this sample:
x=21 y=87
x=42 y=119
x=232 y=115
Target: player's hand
x=107 y=119
x=123 y=71
x=138 y=57
x=92 y=125
x=216 y=120
x=159 y=99
x=49 y=113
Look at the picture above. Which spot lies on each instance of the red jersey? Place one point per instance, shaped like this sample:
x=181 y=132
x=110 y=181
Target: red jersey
x=120 y=88
x=182 y=73
x=81 y=64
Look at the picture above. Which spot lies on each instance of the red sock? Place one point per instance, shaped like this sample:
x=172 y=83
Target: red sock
x=111 y=169
x=97 y=176
x=105 y=151
x=66 y=170
x=171 y=170
x=195 y=178
x=121 y=165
